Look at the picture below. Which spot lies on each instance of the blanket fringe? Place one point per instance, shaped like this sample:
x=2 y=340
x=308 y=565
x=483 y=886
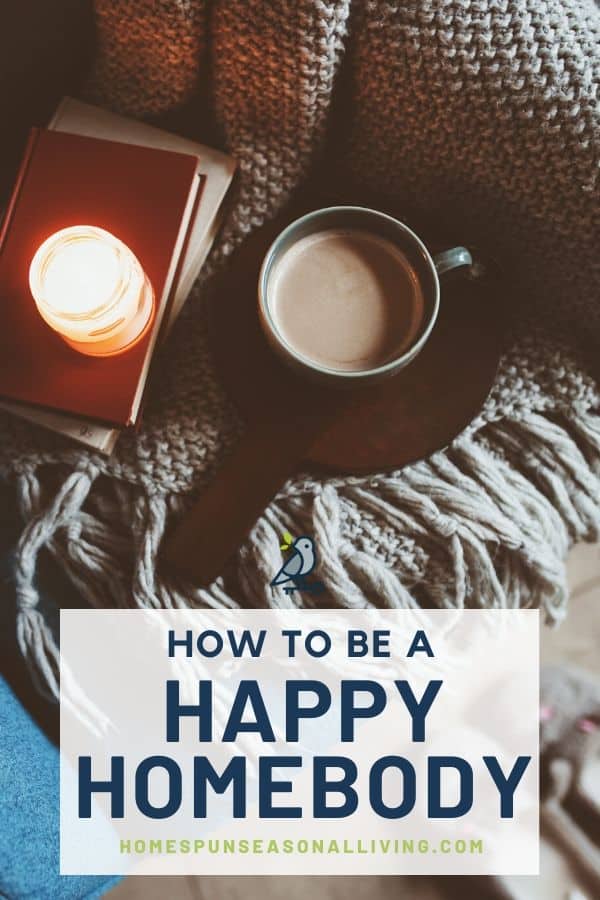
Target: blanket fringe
x=485 y=523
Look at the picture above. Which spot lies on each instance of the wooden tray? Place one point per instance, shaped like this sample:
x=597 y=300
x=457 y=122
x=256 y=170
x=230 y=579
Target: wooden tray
x=398 y=421
x=295 y=424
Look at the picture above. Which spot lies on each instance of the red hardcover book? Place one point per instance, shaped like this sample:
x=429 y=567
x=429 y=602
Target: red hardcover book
x=143 y=196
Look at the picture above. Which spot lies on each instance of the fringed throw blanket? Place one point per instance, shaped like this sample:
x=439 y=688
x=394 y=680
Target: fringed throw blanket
x=480 y=114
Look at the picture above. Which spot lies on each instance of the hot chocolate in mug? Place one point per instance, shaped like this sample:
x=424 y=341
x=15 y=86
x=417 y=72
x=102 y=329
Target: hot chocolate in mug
x=350 y=295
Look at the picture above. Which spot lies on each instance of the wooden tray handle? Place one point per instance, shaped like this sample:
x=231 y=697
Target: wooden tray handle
x=220 y=520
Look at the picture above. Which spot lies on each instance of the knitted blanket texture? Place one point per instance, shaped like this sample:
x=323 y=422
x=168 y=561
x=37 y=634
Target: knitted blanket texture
x=479 y=114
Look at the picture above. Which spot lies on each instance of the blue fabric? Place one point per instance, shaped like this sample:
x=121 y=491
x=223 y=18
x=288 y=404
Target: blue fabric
x=29 y=813
x=29 y=773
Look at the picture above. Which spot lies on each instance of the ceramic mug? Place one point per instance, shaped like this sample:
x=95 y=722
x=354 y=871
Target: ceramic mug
x=428 y=270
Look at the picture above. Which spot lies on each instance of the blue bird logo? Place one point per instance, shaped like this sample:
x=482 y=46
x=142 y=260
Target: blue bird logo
x=300 y=562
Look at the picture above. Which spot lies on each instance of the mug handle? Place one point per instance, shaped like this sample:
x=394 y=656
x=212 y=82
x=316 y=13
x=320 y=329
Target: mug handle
x=452 y=259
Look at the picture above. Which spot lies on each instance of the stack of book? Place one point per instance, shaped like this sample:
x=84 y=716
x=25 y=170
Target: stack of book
x=158 y=193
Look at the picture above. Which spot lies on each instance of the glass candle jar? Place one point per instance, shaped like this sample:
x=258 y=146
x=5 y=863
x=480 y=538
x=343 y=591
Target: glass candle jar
x=90 y=288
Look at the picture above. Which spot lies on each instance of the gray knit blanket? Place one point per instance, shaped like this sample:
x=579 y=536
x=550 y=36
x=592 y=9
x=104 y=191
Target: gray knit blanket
x=479 y=114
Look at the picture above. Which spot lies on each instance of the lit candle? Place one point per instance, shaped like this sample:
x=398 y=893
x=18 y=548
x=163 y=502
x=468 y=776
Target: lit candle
x=90 y=288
